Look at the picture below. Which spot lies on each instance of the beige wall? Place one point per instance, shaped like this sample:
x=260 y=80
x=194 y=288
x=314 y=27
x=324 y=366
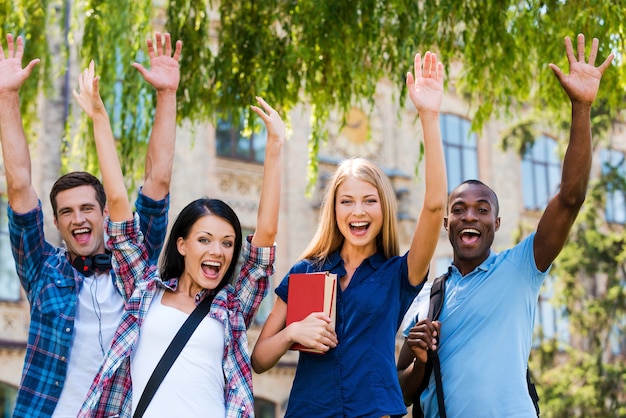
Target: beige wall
x=394 y=145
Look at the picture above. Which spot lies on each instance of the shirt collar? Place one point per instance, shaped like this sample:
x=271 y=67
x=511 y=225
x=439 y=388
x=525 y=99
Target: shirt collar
x=334 y=262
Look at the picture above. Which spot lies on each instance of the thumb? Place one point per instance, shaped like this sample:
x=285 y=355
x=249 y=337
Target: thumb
x=31 y=65
x=557 y=72
x=142 y=70
x=409 y=79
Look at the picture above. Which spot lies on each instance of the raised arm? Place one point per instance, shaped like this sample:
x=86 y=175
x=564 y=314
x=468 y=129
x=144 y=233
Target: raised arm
x=15 y=152
x=164 y=76
x=581 y=86
x=426 y=92
x=88 y=98
x=269 y=202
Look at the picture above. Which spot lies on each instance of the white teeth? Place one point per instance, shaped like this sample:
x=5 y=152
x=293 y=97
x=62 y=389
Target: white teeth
x=81 y=231
x=470 y=231
x=357 y=224
x=211 y=263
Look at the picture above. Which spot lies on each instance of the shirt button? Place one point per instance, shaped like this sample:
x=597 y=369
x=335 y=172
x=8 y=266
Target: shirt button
x=58 y=281
x=62 y=358
x=67 y=329
x=243 y=408
x=57 y=383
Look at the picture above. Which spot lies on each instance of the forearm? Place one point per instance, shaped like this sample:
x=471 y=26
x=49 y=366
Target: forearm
x=268 y=352
x=410 y=379
x=430 y=219
x=16 y=155
x=577 y=160
x=160 y=153
x=435 y=175
x=269 y=201
x=112 y=178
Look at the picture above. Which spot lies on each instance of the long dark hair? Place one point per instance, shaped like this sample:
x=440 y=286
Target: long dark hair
x=173 y=263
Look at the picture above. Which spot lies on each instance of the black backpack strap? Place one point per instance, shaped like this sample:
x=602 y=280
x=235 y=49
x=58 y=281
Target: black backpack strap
x=532 y=390
x=172 y=352
x=437 y=292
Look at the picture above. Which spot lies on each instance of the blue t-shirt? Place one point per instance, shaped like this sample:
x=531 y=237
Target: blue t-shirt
x=358 y=377
x=486 y=335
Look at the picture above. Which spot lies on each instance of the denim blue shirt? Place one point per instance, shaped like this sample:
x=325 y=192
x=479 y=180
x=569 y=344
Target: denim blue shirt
x=358 y=377
x=52 y=286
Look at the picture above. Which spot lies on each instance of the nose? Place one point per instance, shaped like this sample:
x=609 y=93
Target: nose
x=215 y=248
x=470 y=214
x=78 y=217
x=359 y=208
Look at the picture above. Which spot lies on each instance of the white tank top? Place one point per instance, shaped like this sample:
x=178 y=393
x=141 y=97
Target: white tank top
x=98 y=313
x=194 y=386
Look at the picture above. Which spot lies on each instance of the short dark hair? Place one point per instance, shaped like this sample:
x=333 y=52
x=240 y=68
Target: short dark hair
x=173 y=263
x=489 y=189
x=77 y=179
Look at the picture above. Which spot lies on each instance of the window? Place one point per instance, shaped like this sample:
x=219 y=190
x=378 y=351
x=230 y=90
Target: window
x=266 y=306
x=614 y=173
x=551 y=321
x=264 y=408
x=459 y=147
x=541 y=173
x=9 y=282
x=240 y=142
x=7 y=399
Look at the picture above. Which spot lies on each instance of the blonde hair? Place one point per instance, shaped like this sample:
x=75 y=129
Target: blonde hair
x=328 y=238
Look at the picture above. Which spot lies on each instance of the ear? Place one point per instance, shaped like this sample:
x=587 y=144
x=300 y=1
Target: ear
x=56 y=223
x=497 y=223
x=445 y=222
x=105 y=210
x=180 y=246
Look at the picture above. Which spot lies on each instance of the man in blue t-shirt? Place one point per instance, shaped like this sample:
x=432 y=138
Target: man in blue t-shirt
x=487 y=317
x=75 y=301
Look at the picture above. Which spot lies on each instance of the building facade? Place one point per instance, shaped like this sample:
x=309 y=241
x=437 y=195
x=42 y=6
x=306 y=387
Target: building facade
x=217 y=161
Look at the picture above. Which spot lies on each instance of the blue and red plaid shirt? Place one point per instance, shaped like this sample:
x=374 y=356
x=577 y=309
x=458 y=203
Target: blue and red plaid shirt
x=111 y=392
x=52 y=286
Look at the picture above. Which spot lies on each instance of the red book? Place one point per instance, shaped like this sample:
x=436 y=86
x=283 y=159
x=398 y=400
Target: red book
x=311 y=292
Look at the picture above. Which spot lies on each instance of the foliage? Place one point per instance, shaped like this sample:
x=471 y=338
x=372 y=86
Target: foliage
x=331 y=54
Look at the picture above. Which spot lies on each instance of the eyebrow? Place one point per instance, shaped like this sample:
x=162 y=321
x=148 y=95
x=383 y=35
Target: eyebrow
x=212 y=235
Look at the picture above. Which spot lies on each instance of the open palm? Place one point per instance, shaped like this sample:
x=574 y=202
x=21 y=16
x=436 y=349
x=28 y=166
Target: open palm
x=12 y=75
x=426 y=86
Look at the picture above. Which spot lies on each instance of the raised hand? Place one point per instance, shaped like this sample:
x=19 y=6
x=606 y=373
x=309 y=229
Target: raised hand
x=276 y=129
x=88 y=94
x=426 y=86
x=12 y=75
x=164 y=73
x=583 y=81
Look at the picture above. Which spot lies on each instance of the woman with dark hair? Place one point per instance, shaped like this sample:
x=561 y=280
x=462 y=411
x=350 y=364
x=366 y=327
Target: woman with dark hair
x=173 y=262
x=211 y=377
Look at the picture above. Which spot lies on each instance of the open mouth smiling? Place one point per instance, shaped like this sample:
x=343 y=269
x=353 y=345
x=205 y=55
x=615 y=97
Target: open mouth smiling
x=359 y=226
x=469 y=236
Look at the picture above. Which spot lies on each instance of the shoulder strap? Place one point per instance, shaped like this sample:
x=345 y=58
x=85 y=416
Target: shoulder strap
x=437 y=292
x=172 y=352
x=436 y=297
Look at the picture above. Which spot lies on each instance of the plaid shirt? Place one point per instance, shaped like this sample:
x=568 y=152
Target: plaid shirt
x=111 y=392
x=52 y=286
